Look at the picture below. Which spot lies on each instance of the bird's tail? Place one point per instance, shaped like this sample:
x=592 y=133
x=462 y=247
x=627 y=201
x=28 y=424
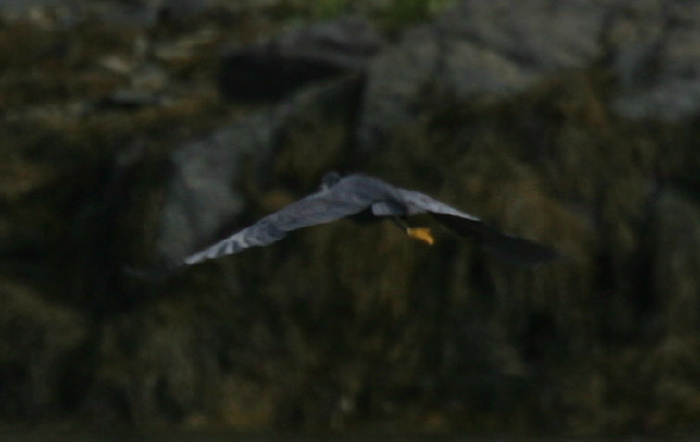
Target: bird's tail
x=507 y=247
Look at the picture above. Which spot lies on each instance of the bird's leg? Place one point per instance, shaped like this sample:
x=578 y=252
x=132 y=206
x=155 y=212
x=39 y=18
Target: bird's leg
x=420 y=233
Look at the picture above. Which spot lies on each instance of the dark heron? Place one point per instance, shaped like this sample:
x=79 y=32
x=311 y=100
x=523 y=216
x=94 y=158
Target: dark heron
x=354 y=195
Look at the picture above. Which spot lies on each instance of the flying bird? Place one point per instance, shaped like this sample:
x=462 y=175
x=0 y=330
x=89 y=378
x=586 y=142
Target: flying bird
x=358 y=195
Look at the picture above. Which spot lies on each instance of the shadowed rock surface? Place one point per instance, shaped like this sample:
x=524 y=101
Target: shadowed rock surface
x=476 y=49
x=570 y=123
x=275 y=69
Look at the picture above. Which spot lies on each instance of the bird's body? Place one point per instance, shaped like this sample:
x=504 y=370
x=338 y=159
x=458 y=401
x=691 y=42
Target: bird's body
x=353 y=194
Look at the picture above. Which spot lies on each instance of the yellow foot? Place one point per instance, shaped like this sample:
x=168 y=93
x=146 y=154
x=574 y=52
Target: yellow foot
x=421 y=234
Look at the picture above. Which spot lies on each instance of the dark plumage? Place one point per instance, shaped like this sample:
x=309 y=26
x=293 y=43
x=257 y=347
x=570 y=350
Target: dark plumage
x=342 y=197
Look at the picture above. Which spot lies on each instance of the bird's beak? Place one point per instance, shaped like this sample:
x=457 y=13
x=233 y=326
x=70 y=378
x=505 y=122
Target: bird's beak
x=421 y=234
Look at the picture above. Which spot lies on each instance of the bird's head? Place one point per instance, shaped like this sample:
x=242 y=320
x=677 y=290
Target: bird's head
x=330 y=179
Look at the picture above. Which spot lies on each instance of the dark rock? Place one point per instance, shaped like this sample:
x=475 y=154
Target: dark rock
x=274 y=69
x=201 y=197
x=204 y=192
x=497 y=48
x=656 y=58
x=500 y=48
x=126 y=100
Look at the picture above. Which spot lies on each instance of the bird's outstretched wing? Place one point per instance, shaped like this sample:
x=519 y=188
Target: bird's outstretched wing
x=503 y=245
x=319 y=208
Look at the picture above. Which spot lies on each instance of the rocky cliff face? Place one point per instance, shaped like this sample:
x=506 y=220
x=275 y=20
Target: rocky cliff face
x=132 y=142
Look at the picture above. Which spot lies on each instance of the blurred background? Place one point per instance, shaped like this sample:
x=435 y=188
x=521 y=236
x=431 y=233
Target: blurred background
x=134 y=132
